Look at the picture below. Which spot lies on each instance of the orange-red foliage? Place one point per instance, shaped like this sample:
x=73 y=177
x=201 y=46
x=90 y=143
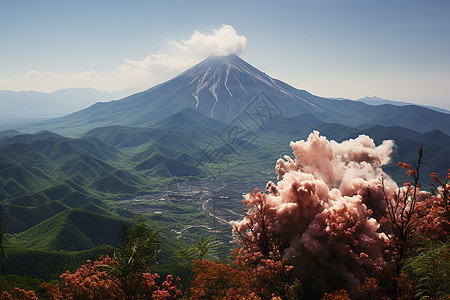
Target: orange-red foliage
x=433 y=221
x=369 y=289
x=404 y=166
x=443 y=189
x=338 y=295
x=92 y=281
x=18 y=294
x=215 y=280
x=405 y=287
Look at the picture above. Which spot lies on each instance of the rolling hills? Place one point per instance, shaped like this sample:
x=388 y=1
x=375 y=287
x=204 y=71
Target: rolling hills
x=44 y=174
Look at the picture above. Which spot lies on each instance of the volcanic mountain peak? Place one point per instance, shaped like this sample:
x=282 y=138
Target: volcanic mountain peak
x=215 y=66
x=230 y=80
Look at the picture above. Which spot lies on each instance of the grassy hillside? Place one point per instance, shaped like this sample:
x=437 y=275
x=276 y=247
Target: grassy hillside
x=73 y=230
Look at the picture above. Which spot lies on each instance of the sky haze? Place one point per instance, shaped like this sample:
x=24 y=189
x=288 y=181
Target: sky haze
x=396 y=50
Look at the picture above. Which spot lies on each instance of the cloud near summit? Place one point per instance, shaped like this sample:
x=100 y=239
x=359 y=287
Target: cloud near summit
x=223 y=41
x=138 y=74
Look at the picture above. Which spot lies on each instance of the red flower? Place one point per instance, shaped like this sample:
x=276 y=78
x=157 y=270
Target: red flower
x=404 y=166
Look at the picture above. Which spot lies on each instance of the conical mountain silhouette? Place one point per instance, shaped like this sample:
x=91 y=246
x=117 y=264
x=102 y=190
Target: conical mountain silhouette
x=222 y=87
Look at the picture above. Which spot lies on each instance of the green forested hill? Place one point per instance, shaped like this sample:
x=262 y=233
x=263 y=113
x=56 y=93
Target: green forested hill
x=73 y=230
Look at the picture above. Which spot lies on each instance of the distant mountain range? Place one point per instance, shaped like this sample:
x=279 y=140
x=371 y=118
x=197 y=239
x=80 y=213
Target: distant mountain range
x=33 y=105
x=381 y=101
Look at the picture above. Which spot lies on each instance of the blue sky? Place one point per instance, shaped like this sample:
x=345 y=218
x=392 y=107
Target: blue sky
x=397 y=50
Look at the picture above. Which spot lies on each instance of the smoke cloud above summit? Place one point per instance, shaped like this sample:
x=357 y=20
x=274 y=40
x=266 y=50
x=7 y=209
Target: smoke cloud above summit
x=223 y=41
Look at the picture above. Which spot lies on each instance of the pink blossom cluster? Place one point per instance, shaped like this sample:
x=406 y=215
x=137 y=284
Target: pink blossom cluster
x=318 y=212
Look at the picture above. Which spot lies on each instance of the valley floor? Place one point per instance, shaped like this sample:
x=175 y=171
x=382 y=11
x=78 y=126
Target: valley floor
x=221 y=202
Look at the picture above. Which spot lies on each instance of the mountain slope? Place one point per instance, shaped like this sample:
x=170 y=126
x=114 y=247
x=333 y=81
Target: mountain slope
x=75 y=229
x=8 y=133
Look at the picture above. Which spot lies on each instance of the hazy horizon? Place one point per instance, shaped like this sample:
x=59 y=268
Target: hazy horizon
x=395 y=51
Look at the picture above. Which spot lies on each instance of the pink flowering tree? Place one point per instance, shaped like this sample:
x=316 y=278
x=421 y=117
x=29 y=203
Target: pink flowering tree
x=315 y=222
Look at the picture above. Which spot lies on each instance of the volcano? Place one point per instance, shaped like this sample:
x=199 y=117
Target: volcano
x=221 y=87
